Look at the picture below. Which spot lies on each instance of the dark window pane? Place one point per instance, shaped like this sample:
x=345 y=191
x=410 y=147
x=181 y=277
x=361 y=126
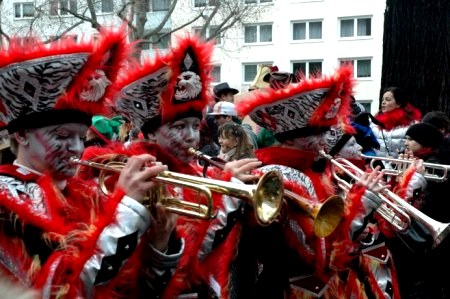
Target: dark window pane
x=315 y=68
x=265 y=32
x=250 y=72
x=347 y=28
x=363 y=69
x=250 y=34
x=160 y=5
x=364 y=27
x=315 y=30
x=299 y=31
x=299 y=67
x=215 y=74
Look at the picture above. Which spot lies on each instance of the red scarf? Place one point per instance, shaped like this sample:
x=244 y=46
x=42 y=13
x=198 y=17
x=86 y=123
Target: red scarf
x=399 y=117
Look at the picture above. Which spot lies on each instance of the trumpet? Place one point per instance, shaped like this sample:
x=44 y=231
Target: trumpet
x=266 y=196
x=394 y=209
x=326 y=215
x=433 y=172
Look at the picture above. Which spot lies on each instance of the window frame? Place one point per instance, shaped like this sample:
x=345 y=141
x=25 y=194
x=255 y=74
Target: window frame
x=21 y=5
x=219 y=77
x=58 y=11
x=258 y=33
x=307 y=66
x=152 y=46
x=99 y=7
x=197 y=30
x=245 y=64
x=355 y=62
x=208 y=3
x=257 y=2
x=355 y=27
x=307 y=30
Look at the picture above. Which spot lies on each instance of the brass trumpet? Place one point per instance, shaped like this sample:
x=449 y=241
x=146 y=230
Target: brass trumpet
x=326 y=215
x=395 y=210
x=265 y=197
x=431 y=169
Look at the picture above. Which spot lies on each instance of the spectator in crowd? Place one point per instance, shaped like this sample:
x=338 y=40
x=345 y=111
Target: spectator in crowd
x=395 y=117
x=225 y=112
x=440 y=120
x=103 y=131
x=224 y=93
x=234 y=143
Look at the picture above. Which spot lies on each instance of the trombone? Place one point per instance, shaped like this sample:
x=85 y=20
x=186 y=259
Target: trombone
x=433 y=172
x=326 y=215
x=392 y=203
x=266 y=196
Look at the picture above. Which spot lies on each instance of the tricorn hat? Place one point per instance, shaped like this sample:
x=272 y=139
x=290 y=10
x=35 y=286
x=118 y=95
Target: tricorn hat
x=61 y=82
x=167 y=88
x=222 y=88
x=301 y=109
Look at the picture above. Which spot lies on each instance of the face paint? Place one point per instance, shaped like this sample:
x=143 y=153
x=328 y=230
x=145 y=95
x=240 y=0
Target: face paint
x=310 y=143
x=351 y=150
x=177 y=137
x=50 y=148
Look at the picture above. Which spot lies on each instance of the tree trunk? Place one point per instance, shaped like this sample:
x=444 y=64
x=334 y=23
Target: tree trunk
x=416 y=54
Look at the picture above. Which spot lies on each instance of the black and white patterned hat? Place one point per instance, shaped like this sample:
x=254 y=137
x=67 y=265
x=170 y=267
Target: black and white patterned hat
x=301 y=109
x=61 y=82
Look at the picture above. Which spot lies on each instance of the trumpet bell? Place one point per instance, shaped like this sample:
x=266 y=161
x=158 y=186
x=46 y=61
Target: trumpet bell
x=268 y=198
x=328 y=216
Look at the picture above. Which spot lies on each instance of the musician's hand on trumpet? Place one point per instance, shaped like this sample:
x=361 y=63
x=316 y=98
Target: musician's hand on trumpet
x=135 y=178
x=373 y=180
x=163 y=222
x=241 y=169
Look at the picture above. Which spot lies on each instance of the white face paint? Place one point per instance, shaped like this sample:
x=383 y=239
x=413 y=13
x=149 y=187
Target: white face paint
x=50 y=148
x=177 y=137
x=351 y=150
x=310 y=143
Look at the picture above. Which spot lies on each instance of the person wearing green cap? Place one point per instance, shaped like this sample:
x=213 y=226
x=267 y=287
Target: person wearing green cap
x=103 y=130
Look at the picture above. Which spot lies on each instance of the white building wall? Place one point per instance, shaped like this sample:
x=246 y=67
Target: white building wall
x=232 y=54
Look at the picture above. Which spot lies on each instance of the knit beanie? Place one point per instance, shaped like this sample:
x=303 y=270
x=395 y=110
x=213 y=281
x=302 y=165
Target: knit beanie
x=425 y=134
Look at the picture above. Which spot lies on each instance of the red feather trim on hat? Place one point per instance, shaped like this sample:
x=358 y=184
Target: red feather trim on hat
x=190 y=58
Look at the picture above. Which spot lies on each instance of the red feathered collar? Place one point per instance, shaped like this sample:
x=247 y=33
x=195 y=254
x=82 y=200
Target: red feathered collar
x=294 y=158
x=399 y=117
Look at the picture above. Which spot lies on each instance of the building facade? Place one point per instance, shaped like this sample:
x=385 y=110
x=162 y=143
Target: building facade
x=295 y=35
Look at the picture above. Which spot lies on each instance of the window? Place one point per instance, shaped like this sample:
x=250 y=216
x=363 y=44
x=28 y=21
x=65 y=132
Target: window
x=307 y=30
x=258 y=33
x=215 y=74
x=256 y=1
x=62 y=7
x=363 y=27
x=159 y=41
x=250 y=71
x=367 y=104
x=203 y=3
x=23 y=10
x=362 y=68
x=107 y=6
x=160 y=5
x=307 y=68
x=209 y=32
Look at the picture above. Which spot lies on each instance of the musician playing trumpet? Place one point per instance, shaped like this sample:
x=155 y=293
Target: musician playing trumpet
x=172 y=92
x=420 y=279
x=59 y=234
x=299 y=115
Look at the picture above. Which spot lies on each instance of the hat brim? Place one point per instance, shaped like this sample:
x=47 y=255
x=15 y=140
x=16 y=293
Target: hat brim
x=232 y=90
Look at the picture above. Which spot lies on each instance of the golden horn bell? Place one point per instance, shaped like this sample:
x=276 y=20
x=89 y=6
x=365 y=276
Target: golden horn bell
x=266 y=196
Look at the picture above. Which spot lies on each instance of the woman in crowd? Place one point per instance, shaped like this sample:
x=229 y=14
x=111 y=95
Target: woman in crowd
x=395 y=117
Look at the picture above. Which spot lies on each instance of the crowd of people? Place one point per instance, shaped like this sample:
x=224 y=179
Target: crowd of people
x=92 y=207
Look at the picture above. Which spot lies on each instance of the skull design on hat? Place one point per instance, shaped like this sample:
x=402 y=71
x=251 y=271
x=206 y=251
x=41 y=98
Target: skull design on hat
x=167 y=88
